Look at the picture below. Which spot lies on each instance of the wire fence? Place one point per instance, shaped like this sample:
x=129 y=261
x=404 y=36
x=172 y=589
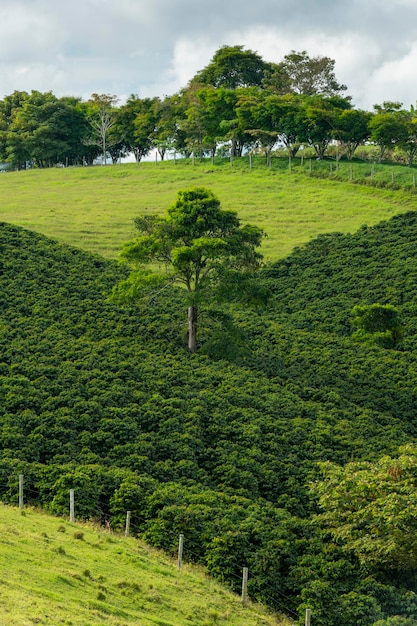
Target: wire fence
x=186 y=549
x=364 y=170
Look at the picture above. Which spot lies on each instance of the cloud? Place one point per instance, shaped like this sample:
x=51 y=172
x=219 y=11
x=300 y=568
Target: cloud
x=154 y=47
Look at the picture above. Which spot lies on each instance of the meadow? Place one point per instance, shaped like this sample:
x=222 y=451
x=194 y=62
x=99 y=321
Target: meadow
x=79 y=575
x=93 y=207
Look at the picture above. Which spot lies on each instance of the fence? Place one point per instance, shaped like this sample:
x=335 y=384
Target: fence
x=359 y=171
x=285 y=603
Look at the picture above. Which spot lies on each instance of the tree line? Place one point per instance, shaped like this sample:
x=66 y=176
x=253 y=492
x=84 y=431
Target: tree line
x=238 y=103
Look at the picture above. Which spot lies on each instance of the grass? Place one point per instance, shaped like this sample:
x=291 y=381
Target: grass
x=54 y=572
x=93 y=208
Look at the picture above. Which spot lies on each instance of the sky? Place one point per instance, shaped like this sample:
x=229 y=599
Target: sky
x=154 y=47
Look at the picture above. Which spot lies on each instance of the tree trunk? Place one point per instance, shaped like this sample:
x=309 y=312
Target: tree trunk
x=192 y=328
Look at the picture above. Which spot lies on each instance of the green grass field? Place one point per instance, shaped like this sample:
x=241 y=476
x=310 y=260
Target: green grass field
x=93 y=208
x=54 y=572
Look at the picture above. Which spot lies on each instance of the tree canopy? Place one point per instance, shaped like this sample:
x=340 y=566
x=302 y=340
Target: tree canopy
x=198 y=246
x=232 y=67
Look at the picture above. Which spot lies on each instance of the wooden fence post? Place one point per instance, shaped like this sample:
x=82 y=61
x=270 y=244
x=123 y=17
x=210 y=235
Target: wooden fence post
x=180 y=550
x=127 y=528
x=308 y=617
x=245 y=585
x=20 y=491
x=72 y=506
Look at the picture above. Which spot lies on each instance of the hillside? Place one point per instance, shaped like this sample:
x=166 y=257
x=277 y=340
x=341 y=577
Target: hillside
x=222 y=447
x=78 y=574
x=93 y=208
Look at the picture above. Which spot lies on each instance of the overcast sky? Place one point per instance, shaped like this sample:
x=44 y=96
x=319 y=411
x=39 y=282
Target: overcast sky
x=154 y=47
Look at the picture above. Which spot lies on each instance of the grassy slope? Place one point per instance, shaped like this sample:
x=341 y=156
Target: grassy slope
x=93 y=208
x=102 y=578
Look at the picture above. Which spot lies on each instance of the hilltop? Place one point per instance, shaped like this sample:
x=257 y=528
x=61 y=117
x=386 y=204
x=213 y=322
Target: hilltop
x=93 y=208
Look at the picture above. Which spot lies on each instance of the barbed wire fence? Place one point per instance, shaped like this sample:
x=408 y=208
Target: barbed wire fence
x=184 y=548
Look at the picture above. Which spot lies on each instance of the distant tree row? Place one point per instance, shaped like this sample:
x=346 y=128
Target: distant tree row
x=238 y=102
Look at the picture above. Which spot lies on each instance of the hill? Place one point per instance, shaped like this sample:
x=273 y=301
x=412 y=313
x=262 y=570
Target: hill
x=221 y=446
x=93 y=208
x=78 y=574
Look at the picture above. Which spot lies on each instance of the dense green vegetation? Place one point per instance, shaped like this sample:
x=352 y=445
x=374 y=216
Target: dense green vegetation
x=237 y=104
x=221 y=445
x=83 y=575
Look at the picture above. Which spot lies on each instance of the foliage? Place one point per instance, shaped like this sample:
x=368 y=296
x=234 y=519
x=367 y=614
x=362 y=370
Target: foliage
x=232 y=67
x=198 y=244
x=370 y=508
x=103 y=399
x=377 y=322
x=310 y=75
x=239 y=102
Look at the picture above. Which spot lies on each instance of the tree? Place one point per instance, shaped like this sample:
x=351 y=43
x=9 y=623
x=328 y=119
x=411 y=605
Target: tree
x=388 y=127
x=371 y=509
x=257 y=117
x=41 y=128
x=135 y=123
x=102 y=118
x=352 y=130
x=288 y=112
x=309 y=75
x=320 y=120
x=198 y=246
x=233 y=67
x=163 y=135
x=217 y=109
x=378 y=323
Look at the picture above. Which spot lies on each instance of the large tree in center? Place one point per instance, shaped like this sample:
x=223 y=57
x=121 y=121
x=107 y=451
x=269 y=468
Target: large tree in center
x=198 y=246
x=232 y=67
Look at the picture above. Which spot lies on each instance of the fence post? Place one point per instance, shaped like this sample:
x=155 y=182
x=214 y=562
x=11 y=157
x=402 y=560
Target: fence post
x=20 y=491
x=308 y=617
x=72 y=506
x=250 y=161
x=127 y=528
x=351 y=172
x=245 y=585
x=180 y=550
x=310 y=166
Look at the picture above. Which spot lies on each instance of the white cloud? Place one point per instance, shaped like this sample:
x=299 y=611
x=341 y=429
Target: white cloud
x=154 y=47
